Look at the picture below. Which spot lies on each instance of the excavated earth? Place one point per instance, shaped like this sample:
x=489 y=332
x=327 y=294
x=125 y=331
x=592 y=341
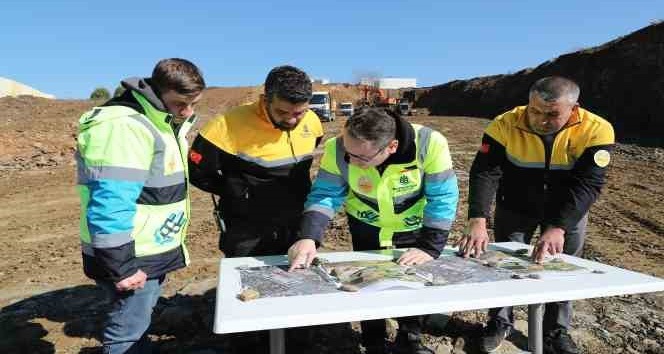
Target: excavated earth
x=47 y=305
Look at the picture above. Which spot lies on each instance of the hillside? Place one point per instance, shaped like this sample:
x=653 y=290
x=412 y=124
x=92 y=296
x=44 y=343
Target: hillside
x=622 y=80
x=47 y=305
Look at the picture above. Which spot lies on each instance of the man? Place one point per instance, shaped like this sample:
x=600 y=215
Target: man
x=134 y=196
x=547 y=161
x=257 y=158
x=400 y=190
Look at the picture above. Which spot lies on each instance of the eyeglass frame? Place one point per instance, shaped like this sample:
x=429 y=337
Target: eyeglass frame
x=369 y=159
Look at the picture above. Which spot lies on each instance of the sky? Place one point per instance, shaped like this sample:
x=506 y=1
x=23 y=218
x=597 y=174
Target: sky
x=67 y=48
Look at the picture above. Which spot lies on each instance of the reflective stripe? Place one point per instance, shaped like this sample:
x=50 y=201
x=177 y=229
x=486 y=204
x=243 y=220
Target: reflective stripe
x=404 y=198
x=371 y=202
x=92 y=173
x=275 y=163
x=561 y=167
x=329 y=177
x=423 y=136
x=437 y=224
x=165 y=181
x=87 y=249
x=163 y=195
x=342 y=164
x=440 y=176
x=157 y=166
x=317 y=208
x=513 y=160
x=110 y=240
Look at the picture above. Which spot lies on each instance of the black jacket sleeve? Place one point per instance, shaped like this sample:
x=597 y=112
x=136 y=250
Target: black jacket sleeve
x=205 y=168
x=485 y=173
x=584 y=186
x=432 y=241
x=118 y=262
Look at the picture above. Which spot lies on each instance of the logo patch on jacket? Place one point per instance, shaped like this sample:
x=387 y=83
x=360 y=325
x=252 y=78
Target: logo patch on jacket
x=171 y=227
x=484 y=148
x=369 y=216
x=365 y=185
x=602 y=158
x=306 y=132
x=195 y=157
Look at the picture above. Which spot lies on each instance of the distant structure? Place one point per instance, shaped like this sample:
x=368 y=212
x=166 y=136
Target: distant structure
x=12 y=88
x=321 y=81
x=390 y=83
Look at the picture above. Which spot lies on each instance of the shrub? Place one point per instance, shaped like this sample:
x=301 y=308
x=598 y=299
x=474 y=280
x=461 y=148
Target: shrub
x=100 y=93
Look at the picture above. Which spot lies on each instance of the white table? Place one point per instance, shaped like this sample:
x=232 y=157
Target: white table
x=277 y=313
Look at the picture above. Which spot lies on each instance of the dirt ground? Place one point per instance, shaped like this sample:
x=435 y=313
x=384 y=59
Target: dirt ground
x=47 y=305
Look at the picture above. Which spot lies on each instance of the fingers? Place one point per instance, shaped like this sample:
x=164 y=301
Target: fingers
x=414 y=257
x=301 y=259
x=541 y=250
x=134 y=282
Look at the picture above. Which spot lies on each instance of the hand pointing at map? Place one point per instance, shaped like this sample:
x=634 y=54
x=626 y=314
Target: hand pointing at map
x=301 y=253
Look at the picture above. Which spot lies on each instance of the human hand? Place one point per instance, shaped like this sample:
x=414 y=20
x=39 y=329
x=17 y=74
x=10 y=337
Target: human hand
x=475 y=240
x=136 y=281
x=301 y=253
x=414 y=256
x=550 y=242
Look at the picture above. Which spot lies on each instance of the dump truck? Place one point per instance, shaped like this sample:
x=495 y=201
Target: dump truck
x=321 y=103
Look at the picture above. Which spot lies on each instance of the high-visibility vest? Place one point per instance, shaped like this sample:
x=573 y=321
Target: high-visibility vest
x=393 y=201
x=139 y=157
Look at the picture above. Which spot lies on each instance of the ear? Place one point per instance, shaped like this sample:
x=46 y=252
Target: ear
x=392 y=146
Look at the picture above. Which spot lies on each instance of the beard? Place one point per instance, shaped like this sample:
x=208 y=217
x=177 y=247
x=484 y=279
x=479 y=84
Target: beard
x=283 y=126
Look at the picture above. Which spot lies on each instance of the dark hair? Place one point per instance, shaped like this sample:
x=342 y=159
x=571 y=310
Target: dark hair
x=288 y=83
x=553 y=88
x=376 y=125
x=179 y=75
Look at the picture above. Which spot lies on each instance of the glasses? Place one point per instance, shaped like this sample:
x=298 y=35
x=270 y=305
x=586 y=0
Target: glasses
x=367 y=159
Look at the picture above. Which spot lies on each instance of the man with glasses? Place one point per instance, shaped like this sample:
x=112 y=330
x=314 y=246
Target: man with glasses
x=400 y=190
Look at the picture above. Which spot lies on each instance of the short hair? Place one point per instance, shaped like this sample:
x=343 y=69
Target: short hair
x=377 y=125
x=553 y=88
x=288 y=83
x=179 y=75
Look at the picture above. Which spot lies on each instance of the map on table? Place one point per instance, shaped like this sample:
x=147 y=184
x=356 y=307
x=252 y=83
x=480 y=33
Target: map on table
x=377 y=275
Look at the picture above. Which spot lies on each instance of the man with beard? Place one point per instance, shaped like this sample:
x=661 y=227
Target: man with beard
x=256 y=158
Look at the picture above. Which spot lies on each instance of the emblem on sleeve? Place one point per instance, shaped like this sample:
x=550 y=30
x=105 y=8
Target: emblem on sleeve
x=602 y=158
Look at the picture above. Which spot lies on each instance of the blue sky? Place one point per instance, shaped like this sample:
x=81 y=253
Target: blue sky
x=67 y=48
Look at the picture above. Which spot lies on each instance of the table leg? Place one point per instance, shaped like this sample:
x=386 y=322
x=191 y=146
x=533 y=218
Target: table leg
x=277 y=341
x=535 y=323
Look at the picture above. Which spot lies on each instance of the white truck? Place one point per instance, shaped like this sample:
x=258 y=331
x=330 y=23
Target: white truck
x=346 y=108
x=321 y=103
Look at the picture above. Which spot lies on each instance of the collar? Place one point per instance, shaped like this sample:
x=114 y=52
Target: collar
x=406 y=150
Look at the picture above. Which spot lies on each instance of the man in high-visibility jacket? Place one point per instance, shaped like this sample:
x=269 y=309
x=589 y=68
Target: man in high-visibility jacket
x=132 y=181
x=400 y=190
x=545 y=163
